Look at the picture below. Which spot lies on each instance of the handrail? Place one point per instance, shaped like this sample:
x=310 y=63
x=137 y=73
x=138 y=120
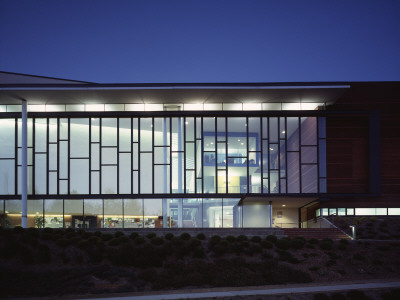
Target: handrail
x=333 y=225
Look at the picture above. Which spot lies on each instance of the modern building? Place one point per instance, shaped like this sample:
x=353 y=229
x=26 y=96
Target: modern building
x=195 y=155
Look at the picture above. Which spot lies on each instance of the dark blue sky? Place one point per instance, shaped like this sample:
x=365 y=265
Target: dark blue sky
x=202 y=41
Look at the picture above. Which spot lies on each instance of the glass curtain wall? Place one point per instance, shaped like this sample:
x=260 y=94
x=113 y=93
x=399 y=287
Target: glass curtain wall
x=126 y=213
x=171 y=155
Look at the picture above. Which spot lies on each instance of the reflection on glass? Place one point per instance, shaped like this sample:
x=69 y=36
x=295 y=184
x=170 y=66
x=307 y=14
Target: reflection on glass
x=109 y=132
x=232 y=213
x=113 y=213
x=79 y=138
x=309 y=179
x=53 y=213
x=35 y=214
x=192 y=213
x=73 y=214
x=12 y=213
x=93 y=209
x=212 y=213
x=153 y=213
x=133 y=213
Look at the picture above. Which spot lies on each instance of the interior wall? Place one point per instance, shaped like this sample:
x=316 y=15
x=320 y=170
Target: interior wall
x=285 y=217
x=255 y=214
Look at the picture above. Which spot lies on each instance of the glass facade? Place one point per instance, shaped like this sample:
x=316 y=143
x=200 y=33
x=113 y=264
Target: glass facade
x=158 y=172
x=126 y=213
x=165 y=156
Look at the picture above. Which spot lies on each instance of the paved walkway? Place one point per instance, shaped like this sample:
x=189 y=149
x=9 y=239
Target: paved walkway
x=253 y=291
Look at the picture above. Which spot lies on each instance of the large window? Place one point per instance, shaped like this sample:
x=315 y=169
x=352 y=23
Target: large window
x=166 y=156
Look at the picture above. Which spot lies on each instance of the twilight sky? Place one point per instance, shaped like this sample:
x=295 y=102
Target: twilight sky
x=131 y=41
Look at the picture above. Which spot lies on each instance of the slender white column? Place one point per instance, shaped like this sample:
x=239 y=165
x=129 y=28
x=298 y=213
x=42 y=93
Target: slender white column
x=24 y=167
x=270 y=214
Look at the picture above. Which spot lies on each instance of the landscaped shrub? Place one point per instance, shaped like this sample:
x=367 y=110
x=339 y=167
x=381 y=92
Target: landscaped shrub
x=44 y=254
x=177 y=241
x=185 y=236
x=34 y=232
x=26 y=255
x=95 y=255
x=256 y=239
x=65 y=258
x=63 y=242
x=242 y=237
x=114 y=242
x=215 y=239
x=123 y=239
x=330 y=262
x=106 y=237
x=97 y=233
x=118 y=234
x=157 y=241
x=140 y=240
x=69 y=230
x=133 y=235
x=359 y=256
x=75 y=240
x=151 y=235
x=93 y=239
x=47 y=236
x=201 y=236
x=83 y=244
x=313 y=241
x=283 y=244
x=256 y=248
x=272 y=238
x=169 y=236
x=314 y=268
x=266 y=244
x=297 y=243
x=284 y=255
x=333 y=255
x=193 y=243
x=18 y=229
x=198 y=253
x=230 y=239
x=326 y=245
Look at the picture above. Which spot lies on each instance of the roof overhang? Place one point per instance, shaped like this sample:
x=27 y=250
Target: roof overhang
x=172 y=93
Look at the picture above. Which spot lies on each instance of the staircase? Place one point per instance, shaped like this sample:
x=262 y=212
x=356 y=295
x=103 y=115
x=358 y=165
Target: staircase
x=316 y=233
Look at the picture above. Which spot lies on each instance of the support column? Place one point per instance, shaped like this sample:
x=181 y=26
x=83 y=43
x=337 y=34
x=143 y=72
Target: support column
x=180 y=175
x=270 y=214
x=166 y=216
x=24 y=167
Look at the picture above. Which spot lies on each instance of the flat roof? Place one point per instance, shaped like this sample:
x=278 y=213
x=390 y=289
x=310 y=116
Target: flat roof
x=46 y=90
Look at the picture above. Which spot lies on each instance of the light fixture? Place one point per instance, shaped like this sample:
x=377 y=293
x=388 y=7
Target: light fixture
x=186 y=122
x=272 y=149
x=283 y=131
x=241 y=143
x=238 y=140
x=283 y=205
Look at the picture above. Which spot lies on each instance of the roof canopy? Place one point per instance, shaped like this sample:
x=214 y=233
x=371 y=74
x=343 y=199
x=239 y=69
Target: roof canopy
x=44 y=90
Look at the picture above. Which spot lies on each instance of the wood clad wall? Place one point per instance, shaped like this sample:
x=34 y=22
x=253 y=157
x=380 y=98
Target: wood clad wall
x=348 y=141
x=347 y=154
